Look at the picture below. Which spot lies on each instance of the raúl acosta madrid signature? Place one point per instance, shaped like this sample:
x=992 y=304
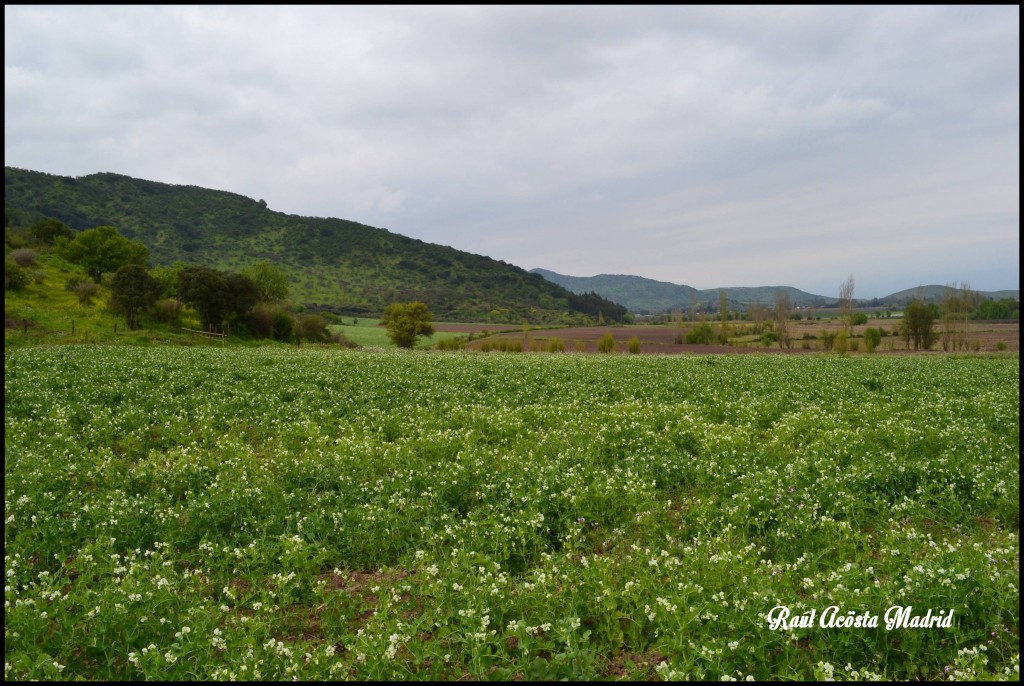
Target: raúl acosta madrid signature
x=781 y=618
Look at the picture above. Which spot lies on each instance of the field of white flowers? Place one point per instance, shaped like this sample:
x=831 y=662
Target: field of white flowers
x=319 y=514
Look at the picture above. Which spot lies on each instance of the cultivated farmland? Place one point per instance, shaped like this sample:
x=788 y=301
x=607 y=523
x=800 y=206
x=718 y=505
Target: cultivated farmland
x=211 y=513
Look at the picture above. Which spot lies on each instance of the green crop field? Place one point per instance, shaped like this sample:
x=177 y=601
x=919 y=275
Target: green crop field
x=279 y=513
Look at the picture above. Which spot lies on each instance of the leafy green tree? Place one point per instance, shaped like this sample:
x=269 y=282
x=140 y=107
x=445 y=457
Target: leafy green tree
x=242 y=294
x=701 y=334
x=102 y=249
x=168 y=277
x=216 y=295
x=46 y=231
x=134 y=290
x=272 y=282
x=406 y=322
x=919 y=325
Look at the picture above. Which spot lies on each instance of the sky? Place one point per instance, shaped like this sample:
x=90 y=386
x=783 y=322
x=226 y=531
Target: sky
x=706 y=146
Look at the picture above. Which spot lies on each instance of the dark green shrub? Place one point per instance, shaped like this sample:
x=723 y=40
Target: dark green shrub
x=606 y=344
x=872 y=337
x=313 y=328
x=702 y=334
x=284 y=325
x=634 y=345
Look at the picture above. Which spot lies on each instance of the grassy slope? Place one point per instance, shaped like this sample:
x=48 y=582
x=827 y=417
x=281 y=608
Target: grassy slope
x=334 y=262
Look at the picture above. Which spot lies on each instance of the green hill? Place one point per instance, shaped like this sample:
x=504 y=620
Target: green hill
x=934 y=293
x=647 y=295
x=334 y=263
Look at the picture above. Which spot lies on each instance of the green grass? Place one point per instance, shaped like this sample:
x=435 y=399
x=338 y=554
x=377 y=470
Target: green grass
x=204 y=513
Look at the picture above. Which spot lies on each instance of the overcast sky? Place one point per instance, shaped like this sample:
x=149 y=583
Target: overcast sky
x=737 y=146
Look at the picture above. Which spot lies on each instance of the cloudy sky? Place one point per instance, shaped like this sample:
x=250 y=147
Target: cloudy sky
x=706 y=146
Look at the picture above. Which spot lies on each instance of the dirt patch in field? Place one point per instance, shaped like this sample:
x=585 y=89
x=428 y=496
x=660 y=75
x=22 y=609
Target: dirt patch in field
x=474 y=328
x=660 y=340
x=653 y=340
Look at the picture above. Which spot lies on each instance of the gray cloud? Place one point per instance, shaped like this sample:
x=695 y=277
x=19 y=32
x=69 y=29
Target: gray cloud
x=707 y=146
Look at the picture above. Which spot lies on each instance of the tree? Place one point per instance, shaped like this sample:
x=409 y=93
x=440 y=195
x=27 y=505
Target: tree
x=242 y=294
x=204 y=289
x=168 y=277
x=102 y=249
x=46 y=231
x=723 y=309
x=134 y=290
x=846 y=303
x=216 y=295
x=272 y=282
x=702 y=334
x=918 y=325
x=782 y=307
x=406 y=322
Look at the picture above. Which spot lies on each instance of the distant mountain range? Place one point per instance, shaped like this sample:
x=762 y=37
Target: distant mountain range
x=643 y=295
x=331 y=263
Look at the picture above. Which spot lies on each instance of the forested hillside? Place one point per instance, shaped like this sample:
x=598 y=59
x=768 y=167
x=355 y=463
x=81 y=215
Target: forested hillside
x=333 y=263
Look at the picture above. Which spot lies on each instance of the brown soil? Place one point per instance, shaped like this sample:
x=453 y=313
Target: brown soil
x=657 y=339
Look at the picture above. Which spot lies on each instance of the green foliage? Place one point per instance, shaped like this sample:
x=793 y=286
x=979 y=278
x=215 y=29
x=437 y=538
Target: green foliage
x=47 y=231
x=701 y=334
x=597 y=306
x=454 y=343
x=918 y=325
x=313 y=328
x=768 y=338
x=606 y=343
x=828 y=339
x=556 y=345
x=15 y=277
x=634 y=345
x=283 y=325
x=606 y=518
x=405 y=322
x=1001 y=345
x=272 y=282
x=167 y=311
x=872 y=337
x=858 y=318
x=842 y=343
x=1006 y=308
x=83 y=287
x=168 y=278
x=352 y=268
x=102 y=249
x=134 y=290
x=216 y=295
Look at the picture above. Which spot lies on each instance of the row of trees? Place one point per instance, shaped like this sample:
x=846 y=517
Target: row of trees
x=251 y=300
